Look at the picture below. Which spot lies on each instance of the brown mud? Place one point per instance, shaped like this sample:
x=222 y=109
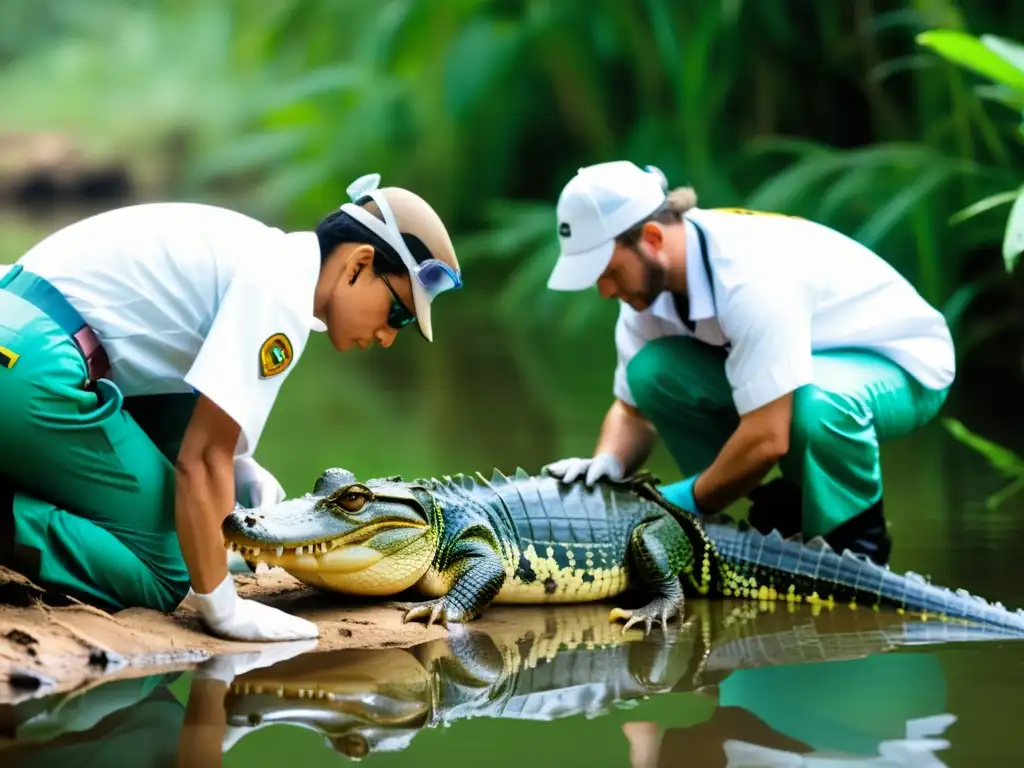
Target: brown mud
x=47 y=648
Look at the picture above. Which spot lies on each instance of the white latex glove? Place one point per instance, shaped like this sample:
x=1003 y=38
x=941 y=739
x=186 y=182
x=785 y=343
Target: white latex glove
x=255 y=486
x=226 y=668
x=227 y=615
x=602 y=465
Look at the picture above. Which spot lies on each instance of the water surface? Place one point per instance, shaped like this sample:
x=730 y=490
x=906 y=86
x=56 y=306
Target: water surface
x=730 y=685
x=737 y=684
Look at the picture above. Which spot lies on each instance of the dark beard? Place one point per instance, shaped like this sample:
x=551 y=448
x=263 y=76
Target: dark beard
x=655 y=277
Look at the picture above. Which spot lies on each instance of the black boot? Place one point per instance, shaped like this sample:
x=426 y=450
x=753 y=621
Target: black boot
x=865 y=534
x=776 y=506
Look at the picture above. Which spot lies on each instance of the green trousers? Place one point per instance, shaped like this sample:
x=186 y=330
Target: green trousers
x=93 y=473
x=858 y=400
x=880 y=693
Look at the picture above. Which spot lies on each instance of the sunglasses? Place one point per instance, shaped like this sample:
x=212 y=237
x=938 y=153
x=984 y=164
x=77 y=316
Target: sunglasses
x=399 y=316
x=431 y=277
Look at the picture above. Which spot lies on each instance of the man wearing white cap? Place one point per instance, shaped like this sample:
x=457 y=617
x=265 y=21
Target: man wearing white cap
x=747 y=340
x=141 y=351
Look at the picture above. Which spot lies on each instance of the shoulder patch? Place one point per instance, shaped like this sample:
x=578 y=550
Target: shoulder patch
x=275 y=355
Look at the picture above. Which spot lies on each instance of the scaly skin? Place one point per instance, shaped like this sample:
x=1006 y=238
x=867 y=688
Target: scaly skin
x=467 y=543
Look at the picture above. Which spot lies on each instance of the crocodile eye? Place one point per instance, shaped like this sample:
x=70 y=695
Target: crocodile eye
x=353 y=498
x=352 y=501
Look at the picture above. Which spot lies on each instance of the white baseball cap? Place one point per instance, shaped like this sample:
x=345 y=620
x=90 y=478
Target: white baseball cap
x=600 y=203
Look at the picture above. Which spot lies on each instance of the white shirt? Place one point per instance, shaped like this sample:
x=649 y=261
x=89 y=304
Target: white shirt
x=183 y=297
x=785 y=288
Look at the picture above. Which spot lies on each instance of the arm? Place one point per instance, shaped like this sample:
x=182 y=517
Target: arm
x=204 y=492
x=626 y=435
x=238 y=390
x=760 y=440
x=768 y=320
x=201 y=741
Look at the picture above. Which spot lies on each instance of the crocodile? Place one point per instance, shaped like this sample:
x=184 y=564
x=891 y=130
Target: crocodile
x=466 y=542
x=557 y=662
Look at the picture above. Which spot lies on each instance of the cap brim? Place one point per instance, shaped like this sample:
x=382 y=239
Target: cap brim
x=579 y=271
x=421 y=306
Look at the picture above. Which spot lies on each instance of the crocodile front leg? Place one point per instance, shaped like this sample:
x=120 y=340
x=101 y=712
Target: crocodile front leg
x=658 y=553
x=469 y=577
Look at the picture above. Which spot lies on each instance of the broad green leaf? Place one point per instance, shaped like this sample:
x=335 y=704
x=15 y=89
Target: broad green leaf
x=983 y=205
x=969 y=52
x=993 y=502
x=1013 y=240
x=1008 y=97
x=959 y=302
x=1001 y=459
x=900 y=205
x=1008 y=50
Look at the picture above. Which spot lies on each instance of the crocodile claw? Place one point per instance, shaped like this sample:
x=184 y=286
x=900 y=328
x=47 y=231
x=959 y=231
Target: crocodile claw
x=436 y=612
x=659 y=610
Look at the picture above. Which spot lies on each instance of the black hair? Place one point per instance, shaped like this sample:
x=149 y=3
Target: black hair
x=338 y=227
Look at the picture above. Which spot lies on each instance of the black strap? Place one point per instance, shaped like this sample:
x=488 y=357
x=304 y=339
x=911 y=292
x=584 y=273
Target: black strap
x=682 y=302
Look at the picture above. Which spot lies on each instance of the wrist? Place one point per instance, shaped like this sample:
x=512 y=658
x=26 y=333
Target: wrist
x=696 y=495
x=613 y=459
x=220 y=602
x=682 y=495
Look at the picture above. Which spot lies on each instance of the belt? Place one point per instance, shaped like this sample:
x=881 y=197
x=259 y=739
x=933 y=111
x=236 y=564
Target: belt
x=41 y=293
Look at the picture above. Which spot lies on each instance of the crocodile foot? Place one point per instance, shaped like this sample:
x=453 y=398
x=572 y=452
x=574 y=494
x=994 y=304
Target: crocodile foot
x=660 y=609
x=440 y=611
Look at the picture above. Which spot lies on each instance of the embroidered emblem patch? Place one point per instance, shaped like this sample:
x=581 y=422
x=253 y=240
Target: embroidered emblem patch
x=275 y=355
x=7 y=358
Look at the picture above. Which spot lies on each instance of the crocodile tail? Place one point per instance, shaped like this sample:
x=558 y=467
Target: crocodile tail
x=758 y=565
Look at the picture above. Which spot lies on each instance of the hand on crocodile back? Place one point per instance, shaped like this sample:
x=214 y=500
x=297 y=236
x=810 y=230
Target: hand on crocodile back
x=469 y=543
x=466 y=543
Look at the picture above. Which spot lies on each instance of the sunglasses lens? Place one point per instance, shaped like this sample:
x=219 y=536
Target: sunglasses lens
x=399 y=317
x=436 y=277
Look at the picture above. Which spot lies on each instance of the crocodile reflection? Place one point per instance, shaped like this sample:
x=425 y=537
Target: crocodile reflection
x=555 y=663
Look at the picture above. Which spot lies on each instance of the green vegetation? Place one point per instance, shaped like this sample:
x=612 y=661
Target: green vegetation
x=887 y=119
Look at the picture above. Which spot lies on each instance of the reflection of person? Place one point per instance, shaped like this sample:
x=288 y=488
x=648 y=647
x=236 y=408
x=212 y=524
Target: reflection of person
x=141 y=351
x=782 y=711
x=747 y=340
x=139 y=717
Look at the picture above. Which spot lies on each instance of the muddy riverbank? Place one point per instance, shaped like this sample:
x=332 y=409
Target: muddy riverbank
x=47 y=648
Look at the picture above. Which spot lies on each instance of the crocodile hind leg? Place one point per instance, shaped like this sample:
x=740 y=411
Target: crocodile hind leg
x=469 y=577
x=658 y=553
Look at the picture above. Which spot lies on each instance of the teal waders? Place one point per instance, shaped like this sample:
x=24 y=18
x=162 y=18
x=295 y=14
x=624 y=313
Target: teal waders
x=91 y=472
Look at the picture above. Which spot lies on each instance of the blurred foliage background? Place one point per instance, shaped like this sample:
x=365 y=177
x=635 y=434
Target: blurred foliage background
x=845 y=112
x=896 y=121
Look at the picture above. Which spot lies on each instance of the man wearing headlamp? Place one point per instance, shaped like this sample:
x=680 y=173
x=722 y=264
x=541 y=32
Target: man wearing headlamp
x=141 y=351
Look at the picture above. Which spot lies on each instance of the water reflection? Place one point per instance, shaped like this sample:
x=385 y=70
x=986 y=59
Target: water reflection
x=784 y=688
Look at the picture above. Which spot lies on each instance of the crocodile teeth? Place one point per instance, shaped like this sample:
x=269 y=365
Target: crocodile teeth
x=298 y=550
x=279 y=551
